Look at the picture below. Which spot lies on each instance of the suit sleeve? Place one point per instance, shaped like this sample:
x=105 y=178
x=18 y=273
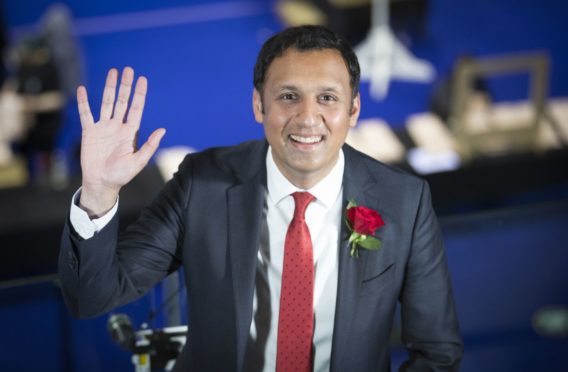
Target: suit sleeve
x=105 y=271
x=430 y=330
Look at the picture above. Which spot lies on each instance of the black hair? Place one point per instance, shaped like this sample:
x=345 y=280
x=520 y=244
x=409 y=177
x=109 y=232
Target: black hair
x=306 y=38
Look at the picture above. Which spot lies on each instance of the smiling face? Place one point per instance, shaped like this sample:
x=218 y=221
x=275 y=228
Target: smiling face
x=307 y=109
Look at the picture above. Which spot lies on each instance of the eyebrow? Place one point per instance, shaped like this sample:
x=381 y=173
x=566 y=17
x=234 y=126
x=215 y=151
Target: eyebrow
x=286 y=87
x=295 y=88
x=330 y=89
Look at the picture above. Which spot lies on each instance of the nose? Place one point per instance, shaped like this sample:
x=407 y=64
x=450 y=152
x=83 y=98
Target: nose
x=309 y=113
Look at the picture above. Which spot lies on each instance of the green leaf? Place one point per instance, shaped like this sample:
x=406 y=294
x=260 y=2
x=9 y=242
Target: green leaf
x=354 y=250
x=348 y=223
x=370 y=242
x=354 y=237
x=351 y=204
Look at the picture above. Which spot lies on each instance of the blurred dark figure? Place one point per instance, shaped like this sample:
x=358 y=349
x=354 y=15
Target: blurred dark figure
x=47 y=69
x=39 y=83
x=58 y=34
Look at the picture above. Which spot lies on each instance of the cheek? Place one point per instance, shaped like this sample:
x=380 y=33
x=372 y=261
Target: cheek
x=339 y=127
x=276 y=122
x=337 y=118
x=273 y=130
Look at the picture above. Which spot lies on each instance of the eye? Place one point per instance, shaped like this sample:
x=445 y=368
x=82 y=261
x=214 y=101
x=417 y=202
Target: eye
x=328 y=98
x=288 y=97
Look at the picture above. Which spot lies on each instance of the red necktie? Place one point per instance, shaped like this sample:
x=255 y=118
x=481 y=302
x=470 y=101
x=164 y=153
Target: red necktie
x=296 y=319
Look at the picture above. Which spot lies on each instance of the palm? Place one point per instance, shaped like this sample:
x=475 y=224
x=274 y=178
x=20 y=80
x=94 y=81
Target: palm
x=109 y=158
x=107 y=153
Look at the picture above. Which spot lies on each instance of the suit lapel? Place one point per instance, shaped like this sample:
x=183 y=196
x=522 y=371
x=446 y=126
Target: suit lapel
x=245 y=203
x=356 y=182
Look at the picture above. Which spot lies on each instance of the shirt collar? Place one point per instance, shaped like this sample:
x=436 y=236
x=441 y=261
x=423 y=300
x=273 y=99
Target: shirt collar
x=326 y=191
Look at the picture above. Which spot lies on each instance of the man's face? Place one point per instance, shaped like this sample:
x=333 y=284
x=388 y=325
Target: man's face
x=307 y=109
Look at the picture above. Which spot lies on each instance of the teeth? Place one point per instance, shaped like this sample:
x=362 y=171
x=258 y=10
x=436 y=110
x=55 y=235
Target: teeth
x=312 y=139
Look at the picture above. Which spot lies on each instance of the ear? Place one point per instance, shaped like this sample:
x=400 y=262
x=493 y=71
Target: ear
x=355 y=111
x=257 y=106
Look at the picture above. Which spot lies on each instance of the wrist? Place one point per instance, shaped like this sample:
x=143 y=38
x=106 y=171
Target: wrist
x=97 y=200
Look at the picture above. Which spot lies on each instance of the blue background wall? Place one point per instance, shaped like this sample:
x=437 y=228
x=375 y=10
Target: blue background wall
x=198 y=59
x=198 y=56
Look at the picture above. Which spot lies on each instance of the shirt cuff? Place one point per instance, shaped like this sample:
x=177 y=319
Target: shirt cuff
x=82 y=224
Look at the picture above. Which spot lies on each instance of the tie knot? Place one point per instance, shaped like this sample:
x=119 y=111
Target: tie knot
x=301 y=200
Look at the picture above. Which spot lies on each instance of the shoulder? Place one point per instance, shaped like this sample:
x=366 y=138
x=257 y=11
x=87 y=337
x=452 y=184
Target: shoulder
x=227 y=161
x=389 y=176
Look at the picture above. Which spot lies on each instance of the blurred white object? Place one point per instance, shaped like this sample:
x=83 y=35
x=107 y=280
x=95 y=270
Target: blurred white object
x=168 y=160
x=383 y=57
x=515 y=115
x=426 y=162
x=375 y=138
x=482 y=116
x=12 y=123
x=436 y=141
x=436 y=149
x=477 y=113
x=558 y=109
x=430 y=133
x=551 y=321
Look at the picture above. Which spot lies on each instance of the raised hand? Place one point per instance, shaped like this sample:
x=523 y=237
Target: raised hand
x=109 y=158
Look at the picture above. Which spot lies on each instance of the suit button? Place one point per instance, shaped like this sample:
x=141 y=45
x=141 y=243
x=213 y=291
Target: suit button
x=72 y=261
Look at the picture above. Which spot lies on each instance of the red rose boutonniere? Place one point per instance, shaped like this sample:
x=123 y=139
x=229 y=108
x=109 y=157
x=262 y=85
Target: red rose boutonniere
x=362 y=222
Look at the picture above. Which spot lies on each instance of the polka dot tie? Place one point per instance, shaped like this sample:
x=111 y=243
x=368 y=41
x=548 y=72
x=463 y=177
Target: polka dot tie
x=296 y=319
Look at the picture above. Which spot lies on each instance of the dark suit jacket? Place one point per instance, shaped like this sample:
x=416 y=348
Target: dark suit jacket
x=208 y=220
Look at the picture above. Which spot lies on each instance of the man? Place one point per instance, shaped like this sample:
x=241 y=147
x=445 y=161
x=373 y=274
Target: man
x=231 y=217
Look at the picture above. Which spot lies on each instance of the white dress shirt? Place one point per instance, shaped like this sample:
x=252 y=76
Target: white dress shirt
x=323 y=217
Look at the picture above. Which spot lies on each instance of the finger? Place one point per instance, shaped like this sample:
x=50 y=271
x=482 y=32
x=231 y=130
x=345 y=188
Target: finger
x=149 y=148
x=109 y=94
x=123 y=93
x=85 y=114
x=137 y=106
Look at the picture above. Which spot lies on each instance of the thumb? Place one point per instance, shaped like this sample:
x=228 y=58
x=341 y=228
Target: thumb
x=144 y=154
